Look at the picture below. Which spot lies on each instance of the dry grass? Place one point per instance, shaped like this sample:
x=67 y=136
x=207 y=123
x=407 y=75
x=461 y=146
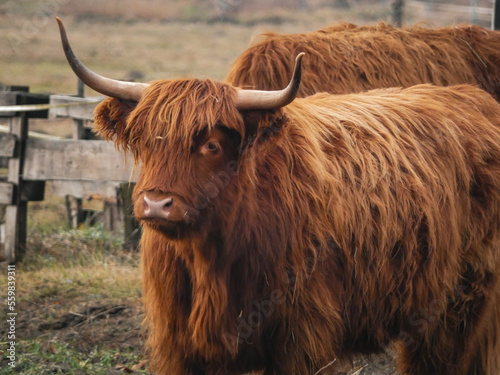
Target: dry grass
x=32 y=55
x=125 y=38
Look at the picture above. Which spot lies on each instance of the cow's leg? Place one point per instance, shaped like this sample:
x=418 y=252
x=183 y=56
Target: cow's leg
x=191 y=369
x=462 y=339
x=487 y=355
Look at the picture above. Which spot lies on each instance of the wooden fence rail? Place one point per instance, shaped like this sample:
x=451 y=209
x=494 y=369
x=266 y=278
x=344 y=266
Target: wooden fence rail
x=74 y=167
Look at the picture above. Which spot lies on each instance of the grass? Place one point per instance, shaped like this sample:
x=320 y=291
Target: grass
x=68 y=273
x=159 y=41
x=158 y=47
x=55 y=357
x=82 y=273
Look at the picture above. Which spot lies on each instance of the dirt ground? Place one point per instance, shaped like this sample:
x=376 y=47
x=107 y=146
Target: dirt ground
x=83 y=326
x=86 y=326
x=116 y=326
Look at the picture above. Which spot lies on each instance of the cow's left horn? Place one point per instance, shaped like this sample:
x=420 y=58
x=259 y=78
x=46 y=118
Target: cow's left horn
x=258 y=99
x=117 y=89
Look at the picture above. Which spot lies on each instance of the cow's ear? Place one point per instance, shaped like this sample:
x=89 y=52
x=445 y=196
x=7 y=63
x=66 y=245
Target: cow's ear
x=110 y=120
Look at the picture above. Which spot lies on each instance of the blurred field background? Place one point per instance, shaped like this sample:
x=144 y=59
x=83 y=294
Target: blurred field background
x=78 y=292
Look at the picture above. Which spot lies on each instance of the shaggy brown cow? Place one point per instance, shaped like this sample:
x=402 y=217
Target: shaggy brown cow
x=345 y=58
x=281 y=237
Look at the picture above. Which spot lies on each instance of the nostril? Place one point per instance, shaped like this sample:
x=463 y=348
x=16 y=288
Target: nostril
x=169 y=202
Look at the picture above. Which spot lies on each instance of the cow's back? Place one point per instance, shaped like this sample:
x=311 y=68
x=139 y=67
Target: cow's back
x=344 y=58
x=401 y=168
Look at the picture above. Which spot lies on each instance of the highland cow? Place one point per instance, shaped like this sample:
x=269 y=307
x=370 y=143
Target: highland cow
x=280 y=234
x=344 y=58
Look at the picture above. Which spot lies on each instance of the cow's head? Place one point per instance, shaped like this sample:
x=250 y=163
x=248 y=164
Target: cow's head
x=189 y=136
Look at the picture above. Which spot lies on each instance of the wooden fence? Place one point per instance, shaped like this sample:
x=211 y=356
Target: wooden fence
x=75 y=167
x=465 y=12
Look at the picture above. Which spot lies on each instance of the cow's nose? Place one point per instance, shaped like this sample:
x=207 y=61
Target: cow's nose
x=158 y=208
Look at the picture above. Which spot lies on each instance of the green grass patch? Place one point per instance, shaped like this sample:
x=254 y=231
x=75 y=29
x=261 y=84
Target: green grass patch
x=38 y=357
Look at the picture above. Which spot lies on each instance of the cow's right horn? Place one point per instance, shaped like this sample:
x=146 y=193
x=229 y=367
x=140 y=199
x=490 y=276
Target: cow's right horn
x=117 y=89
x=258 y=99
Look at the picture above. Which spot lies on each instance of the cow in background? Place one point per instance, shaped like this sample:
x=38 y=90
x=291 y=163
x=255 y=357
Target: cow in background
x=281 y=234
x=345 y=58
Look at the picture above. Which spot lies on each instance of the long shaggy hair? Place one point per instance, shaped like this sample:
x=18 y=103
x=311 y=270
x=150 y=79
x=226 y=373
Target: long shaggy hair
x=346 y=222
x=344 y=58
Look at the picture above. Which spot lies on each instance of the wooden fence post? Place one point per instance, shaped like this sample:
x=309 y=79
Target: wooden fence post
x=74 y=206
x=16 y=213
x=132 y=231
x=496 y=15
x=397 y=12
x=16 y=192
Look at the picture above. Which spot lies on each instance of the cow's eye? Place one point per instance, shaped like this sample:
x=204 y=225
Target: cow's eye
x=212 y=147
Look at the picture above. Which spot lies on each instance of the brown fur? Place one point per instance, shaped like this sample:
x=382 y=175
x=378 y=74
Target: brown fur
x=330 y=227
x=344 y=58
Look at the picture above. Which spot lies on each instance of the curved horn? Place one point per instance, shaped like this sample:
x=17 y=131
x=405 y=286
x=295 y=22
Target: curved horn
x=117 y=89
x=258 y=99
